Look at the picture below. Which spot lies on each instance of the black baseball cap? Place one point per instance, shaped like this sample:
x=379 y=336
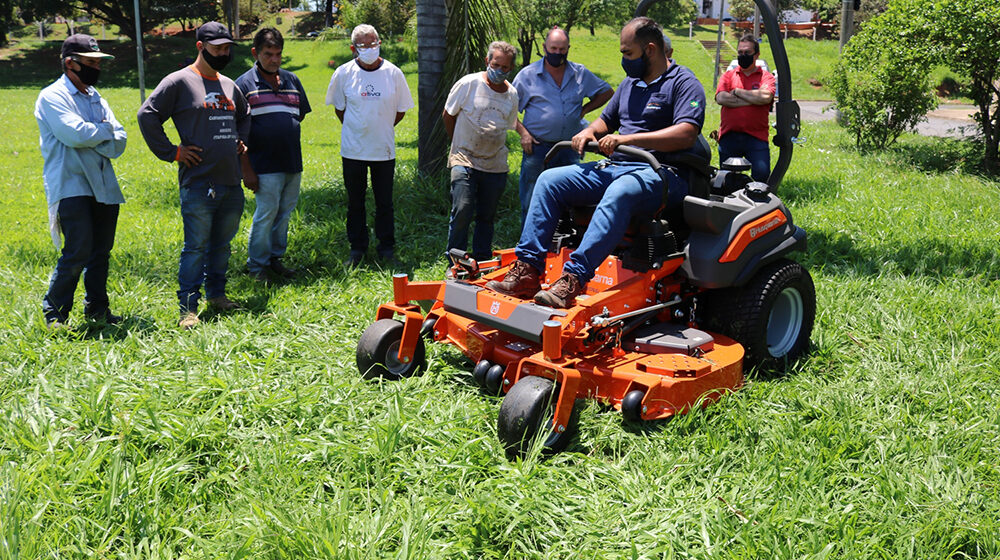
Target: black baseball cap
x=82 y=45
x=214 y=33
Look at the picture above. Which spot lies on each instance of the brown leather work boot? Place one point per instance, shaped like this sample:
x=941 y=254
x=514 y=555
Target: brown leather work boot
x=521 y=281
x=561 y=293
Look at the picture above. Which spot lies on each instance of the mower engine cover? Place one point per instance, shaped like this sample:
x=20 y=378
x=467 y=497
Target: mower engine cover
x=733 y=236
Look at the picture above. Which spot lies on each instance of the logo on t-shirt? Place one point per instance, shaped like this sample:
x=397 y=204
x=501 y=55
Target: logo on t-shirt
x=370 y=91
x=694 y=104
x=216 y=100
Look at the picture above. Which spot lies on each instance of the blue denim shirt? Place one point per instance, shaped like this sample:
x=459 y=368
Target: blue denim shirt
x=551 y=112
x=78 y=136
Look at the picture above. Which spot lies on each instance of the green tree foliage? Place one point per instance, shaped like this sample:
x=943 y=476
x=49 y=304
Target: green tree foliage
x=120 y=13
x=968 y=41
x=880 y=84
x=743 y=9
x=671 y=13
x=389 y=17
x=612 y=13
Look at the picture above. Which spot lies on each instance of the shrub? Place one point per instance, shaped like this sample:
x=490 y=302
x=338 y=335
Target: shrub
x=880 y=84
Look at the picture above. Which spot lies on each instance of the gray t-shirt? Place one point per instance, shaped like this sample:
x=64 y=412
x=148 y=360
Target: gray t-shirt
x=209 y=113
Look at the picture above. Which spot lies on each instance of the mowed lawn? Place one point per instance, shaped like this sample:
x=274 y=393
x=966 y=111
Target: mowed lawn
x=253 y=436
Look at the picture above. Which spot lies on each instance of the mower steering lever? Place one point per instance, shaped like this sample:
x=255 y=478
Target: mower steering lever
x=602 y=320
x=630 y=151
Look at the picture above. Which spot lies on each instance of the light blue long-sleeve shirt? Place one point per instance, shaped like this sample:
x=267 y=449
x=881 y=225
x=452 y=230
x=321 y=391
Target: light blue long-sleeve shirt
x=78 y=136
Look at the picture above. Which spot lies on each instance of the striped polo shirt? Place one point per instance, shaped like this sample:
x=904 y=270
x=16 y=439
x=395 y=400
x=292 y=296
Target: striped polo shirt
x=275 y=114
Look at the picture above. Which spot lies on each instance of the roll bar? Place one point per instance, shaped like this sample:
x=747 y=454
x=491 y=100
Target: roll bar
x=786 y=110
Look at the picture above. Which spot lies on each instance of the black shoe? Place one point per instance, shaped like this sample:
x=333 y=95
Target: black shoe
x=280 y=269
x=259 y=276
x=103 y=316
x=354 y=259
x=389 y=260
x=55 y=325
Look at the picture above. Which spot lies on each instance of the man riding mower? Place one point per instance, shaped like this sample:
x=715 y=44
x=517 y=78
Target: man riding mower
x=664 y=316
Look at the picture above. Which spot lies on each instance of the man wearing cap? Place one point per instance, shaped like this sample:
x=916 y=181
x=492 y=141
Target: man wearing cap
x=79 y=136
x=212 y=119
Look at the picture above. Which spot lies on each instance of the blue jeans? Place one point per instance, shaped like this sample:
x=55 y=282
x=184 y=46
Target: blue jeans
x=276 y=199
x=533 y=164
x=476 y=194
x=211 y=219
x=741 y=144
x=620 y=190
x=88 y=229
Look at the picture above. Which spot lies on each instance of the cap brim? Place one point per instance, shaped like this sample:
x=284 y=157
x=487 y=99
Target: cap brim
x=93 y=55
x=222 y=41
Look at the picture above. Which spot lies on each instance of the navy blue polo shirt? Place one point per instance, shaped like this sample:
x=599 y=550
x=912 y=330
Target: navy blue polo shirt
x=275 y=113
x=675 y=97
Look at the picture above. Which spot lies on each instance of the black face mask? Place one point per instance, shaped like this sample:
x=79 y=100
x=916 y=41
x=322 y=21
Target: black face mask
x=264 y=72
x=218 y=63
x=555 y=59
x=636 y=67
x=87 y=74
x=745 y=60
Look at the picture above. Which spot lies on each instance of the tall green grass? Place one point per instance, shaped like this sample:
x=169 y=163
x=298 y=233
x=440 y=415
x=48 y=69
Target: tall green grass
x=254 y=437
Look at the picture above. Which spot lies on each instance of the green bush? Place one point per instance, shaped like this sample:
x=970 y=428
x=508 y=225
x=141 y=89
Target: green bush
x=389 y=17
x=880 y=85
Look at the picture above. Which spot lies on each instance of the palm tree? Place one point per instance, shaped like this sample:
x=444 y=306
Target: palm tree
x=452 y=38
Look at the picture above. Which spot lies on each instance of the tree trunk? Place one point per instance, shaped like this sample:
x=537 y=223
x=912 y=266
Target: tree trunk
x=328 y=22
x=525 y=40
x=432 y=49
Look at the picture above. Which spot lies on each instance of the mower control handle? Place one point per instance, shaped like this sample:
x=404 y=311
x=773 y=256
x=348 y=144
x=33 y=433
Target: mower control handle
x=594 y=147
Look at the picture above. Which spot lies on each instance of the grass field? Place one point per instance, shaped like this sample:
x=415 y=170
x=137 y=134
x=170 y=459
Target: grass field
x=254 y=437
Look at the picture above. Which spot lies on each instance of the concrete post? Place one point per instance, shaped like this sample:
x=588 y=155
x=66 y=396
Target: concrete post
x=846 y=22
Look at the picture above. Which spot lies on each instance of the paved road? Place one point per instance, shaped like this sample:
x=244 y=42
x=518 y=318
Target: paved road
x=954 y=121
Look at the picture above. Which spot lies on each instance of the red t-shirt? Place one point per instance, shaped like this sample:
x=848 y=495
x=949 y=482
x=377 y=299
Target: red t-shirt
x=753 y=118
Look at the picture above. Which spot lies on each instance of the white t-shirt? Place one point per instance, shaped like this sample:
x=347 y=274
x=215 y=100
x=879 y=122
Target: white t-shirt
x=483 y=119
x=370 y=100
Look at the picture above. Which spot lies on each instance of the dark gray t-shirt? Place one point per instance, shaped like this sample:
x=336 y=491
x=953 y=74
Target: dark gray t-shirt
x=209 y=113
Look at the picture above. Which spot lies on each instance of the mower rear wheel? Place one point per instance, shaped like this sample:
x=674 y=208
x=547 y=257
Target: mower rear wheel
x=526 y=415
x=378 y=350
x=772 y=316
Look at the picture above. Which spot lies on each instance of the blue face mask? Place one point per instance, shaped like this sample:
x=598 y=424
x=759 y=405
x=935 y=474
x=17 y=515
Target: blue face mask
x=495 y=77
x=635 y=67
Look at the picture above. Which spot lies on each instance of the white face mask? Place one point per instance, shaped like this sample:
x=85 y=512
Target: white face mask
x=367 y=56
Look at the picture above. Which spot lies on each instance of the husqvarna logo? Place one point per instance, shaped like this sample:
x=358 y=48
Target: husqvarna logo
x=495 y=308
x=764 y=228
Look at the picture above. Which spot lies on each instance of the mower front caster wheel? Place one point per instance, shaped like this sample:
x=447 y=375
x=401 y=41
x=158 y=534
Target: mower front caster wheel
x=479 y=372
x=632 y=406
x=493 y=380
x=378 y=352
x=526 y=415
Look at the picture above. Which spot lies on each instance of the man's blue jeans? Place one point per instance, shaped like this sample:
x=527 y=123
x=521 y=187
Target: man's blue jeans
x=211 y=218
x=741 y=144
x=532 y=166
x=88 y=229
x=620 y=190
x=475 y=194
x=276 y=199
